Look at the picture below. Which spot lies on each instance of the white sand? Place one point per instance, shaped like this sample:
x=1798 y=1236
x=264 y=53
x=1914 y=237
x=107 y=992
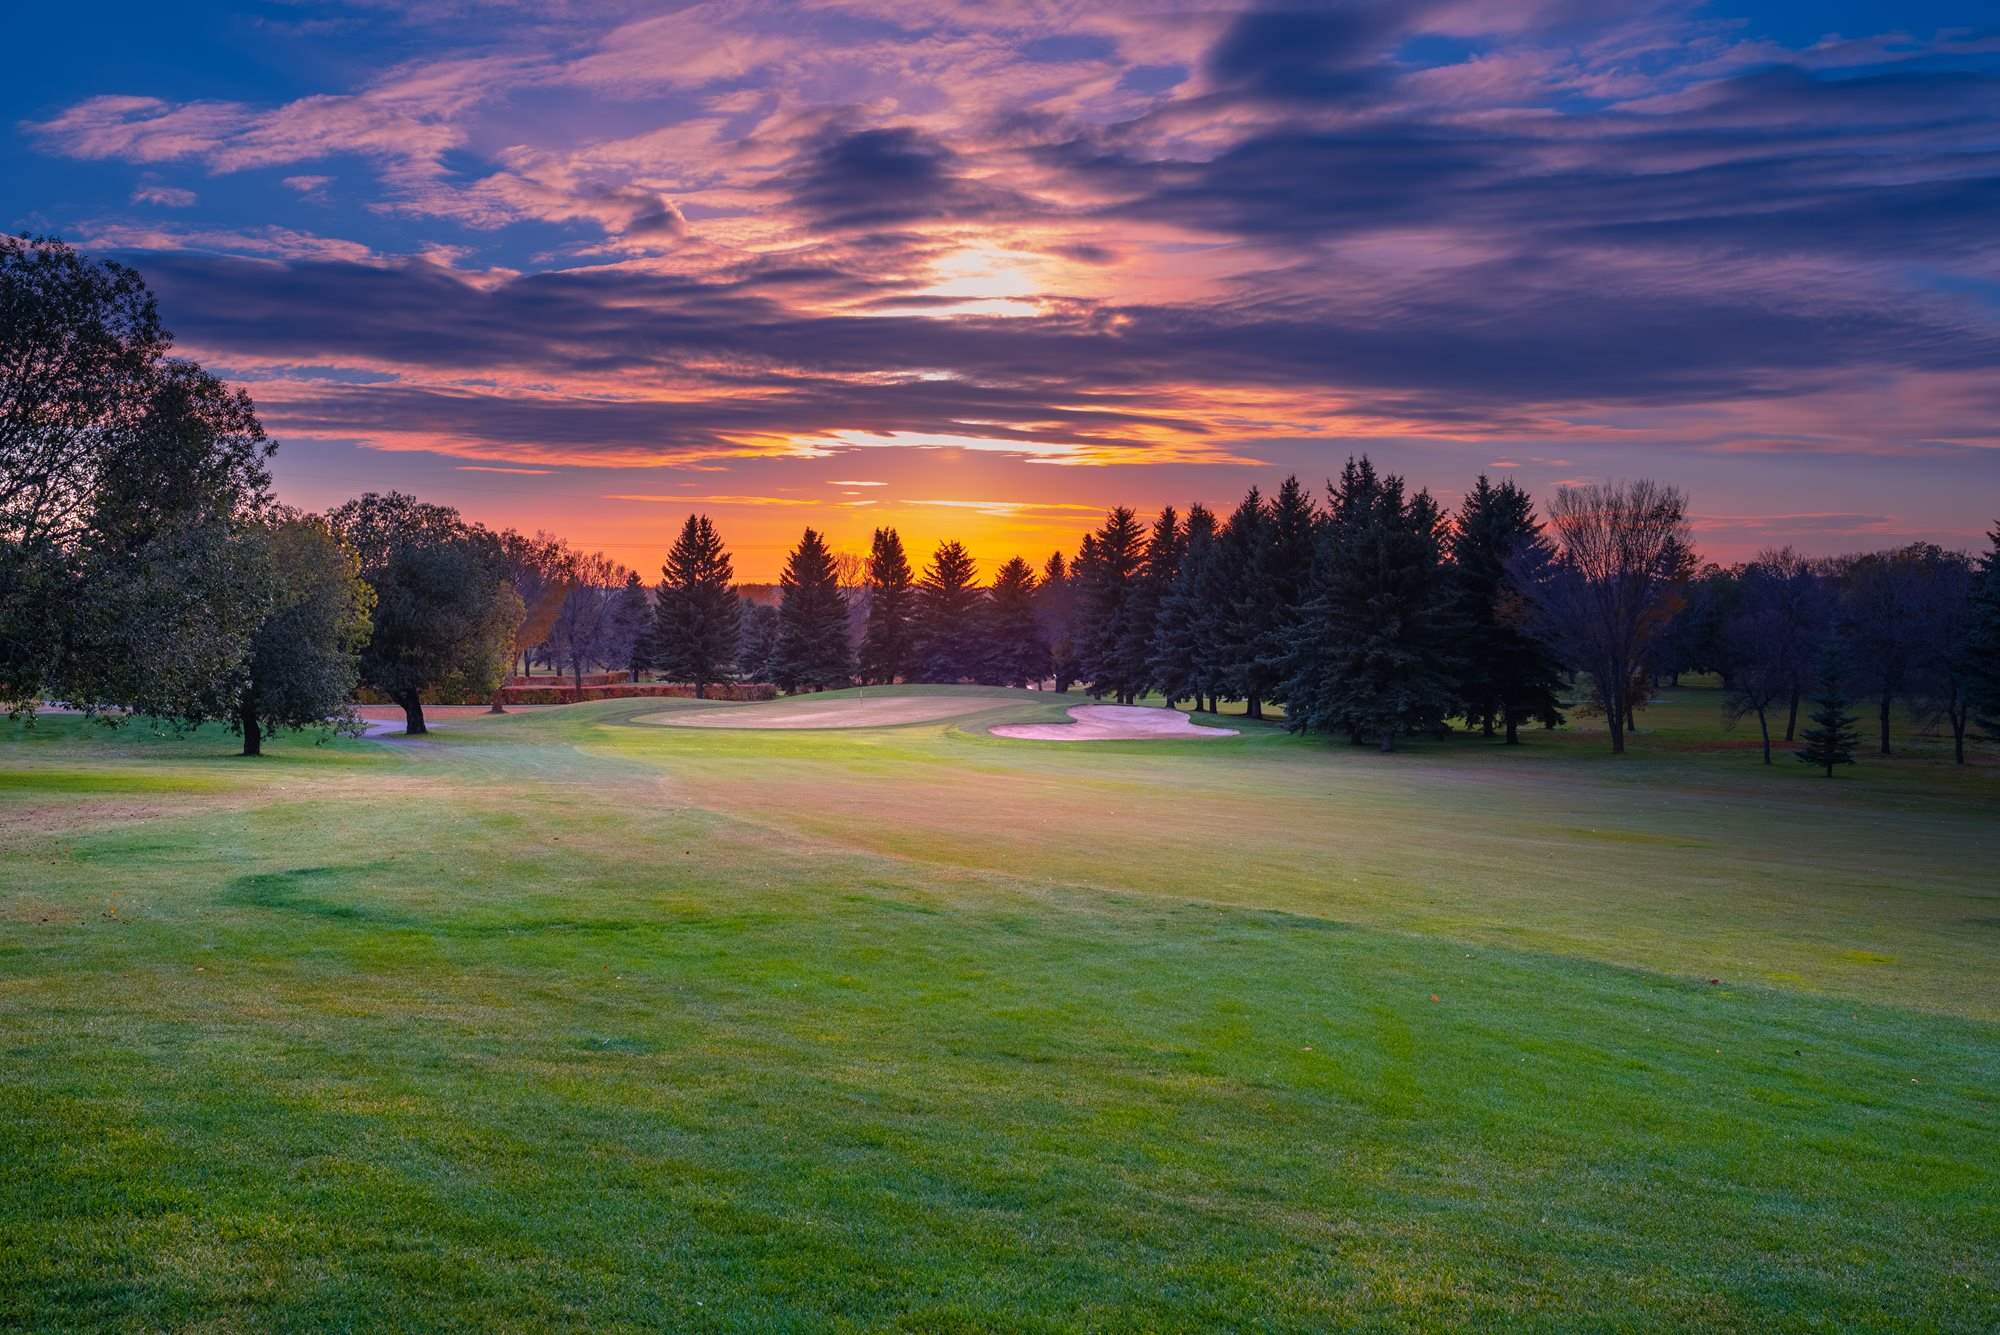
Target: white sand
x=1112 y=723
x=840 y=712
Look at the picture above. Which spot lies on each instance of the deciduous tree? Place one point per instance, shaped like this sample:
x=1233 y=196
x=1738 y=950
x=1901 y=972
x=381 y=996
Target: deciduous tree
x=445 y=612
x=1624 y=553
x=304 y=660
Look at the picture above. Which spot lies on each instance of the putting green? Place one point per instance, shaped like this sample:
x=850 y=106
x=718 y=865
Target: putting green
x=831 y=711
x=1112 y=723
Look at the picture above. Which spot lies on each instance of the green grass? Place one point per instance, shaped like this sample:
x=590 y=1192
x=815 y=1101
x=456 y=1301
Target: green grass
x=564 y=1021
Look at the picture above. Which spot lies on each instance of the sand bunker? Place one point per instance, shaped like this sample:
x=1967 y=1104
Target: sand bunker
x=839 y=712
x=1112 y=723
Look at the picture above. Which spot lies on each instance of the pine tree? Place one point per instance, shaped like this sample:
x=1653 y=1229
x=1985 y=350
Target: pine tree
x=1055 y=614
x=949 y=604
x=1833 y=737
x=1285 y=579
x=812 y=650
x=888 y=645
x=697 y=615
x=1186 y=650
x=634 y=624
x=1016 y=653
x=757 y=646
x=1106 y=569
x=1245 y=544
x=1508 y=674
x=1371 y=652
x=1159 y=568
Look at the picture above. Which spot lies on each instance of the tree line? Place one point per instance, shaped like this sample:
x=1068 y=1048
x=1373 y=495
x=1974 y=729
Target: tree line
x=1373 y=614
x=145 y=567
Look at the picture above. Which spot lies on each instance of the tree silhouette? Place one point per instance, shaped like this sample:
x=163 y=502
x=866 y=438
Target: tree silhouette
x=888 y=644
x=1016 y=652
x=1508 y=675
x=697 y=614
x=948 y=617
x=1832 y=738
x=812 y=652
x=1372 y=654
x=1616 y=585
x=1186 y=658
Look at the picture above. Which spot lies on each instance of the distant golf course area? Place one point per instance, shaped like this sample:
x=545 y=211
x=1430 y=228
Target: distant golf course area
x=840 y=1012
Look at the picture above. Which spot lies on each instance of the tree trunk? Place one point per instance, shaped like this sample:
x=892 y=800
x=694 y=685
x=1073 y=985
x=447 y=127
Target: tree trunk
x=1885 y=722
x=1958 y=738
x=1253 y=708
x=1792 y=718
x=701 y=690
x=1764 y=728
x=1614 y=713
x=413 y=713
x=1486 y=725
x=1513 y=731
x=1388 y=740
x=253 y=732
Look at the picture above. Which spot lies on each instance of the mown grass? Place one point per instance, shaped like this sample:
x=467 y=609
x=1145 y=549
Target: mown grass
x=565 y=1021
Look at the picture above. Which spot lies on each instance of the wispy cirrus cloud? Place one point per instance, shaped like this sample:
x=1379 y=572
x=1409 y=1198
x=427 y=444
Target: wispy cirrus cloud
x=747 y=232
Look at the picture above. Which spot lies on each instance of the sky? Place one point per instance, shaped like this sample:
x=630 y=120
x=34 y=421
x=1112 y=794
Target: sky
x=981 y=268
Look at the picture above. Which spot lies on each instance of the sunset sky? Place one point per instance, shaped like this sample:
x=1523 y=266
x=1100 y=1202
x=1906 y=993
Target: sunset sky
x=980 y=269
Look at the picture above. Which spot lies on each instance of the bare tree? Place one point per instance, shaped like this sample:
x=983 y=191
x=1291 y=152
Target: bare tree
x=587 y=626
x=1763 y=640
x=850 y=571
x=1942 y=670
x=1625 y=554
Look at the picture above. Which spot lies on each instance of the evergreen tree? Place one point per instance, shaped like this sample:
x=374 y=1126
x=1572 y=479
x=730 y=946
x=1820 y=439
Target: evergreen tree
x=1833 y=737
x=1284 y=576
x=1165 y=546
x=1107 y=567
x=634 y=625
x=757 y=646
x=1244 y=550
x=698 y=616
x=1371 y=652
x=812 y=650
x=1016 y=653
x=1508 y=675
x=948 y=615
x=1983 y=644
x=1055 y=613
x=1186 y=657
x=888 y=643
